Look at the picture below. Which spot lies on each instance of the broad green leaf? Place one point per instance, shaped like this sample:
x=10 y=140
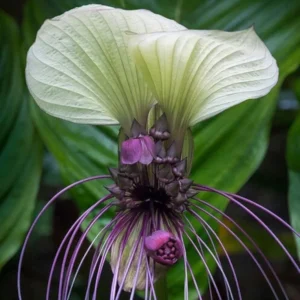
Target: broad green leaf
x=296 y=88
x=10 y=92
x=293 y=158
x=81 y=151
x=228 y=148
x=294 y=203
x=264 y=241
x=20 y=147
x=293 y=147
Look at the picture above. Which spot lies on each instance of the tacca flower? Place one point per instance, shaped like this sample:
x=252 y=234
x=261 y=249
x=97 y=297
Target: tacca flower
x=156 y=79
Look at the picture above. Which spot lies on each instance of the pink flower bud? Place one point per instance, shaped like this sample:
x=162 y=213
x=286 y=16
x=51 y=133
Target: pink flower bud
x=134 y=150
x=163 y=247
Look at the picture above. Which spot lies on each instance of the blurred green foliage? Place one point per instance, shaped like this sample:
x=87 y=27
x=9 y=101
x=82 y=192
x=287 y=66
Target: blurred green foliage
x=20 y=146
x=293 y=159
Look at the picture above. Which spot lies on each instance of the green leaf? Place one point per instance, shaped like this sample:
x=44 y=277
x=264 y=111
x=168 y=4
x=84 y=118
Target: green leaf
x=81 y=151
x=293 y=158
x=20 y=147
x=293 y=147
x=228 y=148
x=262 y=238
x=10 y=74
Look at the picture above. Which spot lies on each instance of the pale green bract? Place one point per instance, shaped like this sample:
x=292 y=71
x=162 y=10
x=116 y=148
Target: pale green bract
x=196 y=74
x=79 y=69
x=100 y=65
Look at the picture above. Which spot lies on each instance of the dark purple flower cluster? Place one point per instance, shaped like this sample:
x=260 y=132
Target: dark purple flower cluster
x=157 y=206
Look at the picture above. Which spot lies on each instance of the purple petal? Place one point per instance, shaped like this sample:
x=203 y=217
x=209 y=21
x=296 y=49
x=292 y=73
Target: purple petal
x=131 y=151
x=157 y=239
x=149 y=143
x=148 y=150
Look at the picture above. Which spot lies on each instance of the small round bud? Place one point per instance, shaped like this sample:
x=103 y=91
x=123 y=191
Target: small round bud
x=158 y=160
x=169 y=159
x=163 y=247
x=166 y=135
x=159 y=135
x=175 y=160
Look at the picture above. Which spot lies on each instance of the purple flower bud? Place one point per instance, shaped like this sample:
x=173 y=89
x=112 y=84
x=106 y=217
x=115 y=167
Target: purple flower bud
x=148 y=150
x=141 y=149
x=163 y=247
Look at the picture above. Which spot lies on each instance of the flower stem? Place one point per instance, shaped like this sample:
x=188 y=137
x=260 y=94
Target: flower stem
x=161 y=288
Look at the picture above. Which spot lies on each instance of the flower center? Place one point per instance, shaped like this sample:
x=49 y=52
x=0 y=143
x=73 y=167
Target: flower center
x=150 y=197
x=163 y=247
x=151 y=175
x=168 y=194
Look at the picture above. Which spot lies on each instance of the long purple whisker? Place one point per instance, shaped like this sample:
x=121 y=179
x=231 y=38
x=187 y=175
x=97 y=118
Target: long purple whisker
x=54 y=262
x=205 y=224
x=205 y=264
x=148 y=278
x=251 y=241
x=103 y=231
x=202 y=251
x=38 y=217
x=128 y=230
x=123 y=245
x=73 y=231
x=260 y=222
x=227 y=195
x=140 y=238
x=79 y=244
x=74 y=228
x=194 y=280
x=123 y=220
x=243 y=245
x=138 y=269
x=176 y=226
x=120 y=218
x=151 y=279
x=216 y=260
x=267 y=211
x=63 y=284
x=105 y=249
x=116 y=269
x=146 y=286
x=215 y=251
x=147 y=230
